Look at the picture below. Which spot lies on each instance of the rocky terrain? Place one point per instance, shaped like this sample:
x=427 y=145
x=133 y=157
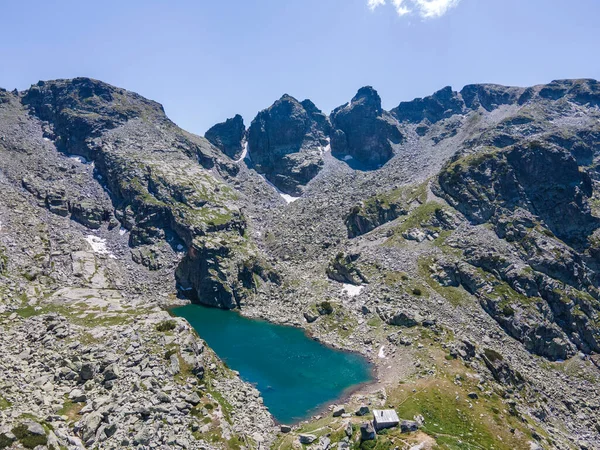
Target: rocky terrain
x=454 y=240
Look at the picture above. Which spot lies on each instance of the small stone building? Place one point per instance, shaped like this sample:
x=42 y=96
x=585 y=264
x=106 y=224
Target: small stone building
x=385 y=418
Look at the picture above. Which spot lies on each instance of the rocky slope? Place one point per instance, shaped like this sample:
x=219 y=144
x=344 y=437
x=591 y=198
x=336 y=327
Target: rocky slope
x=453 y=239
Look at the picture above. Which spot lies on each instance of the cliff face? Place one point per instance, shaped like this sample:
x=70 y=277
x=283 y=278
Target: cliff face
x=456 y=237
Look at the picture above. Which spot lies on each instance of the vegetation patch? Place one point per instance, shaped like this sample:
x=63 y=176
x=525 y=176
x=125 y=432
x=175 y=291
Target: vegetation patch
x=457 y=422
x=26 y=438
x=167 y=325
x=71 y=410
x=4 y=404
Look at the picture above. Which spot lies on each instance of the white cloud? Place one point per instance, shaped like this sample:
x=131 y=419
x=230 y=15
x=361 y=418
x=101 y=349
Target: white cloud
x=427 y=9
x=435 y=8
x=401 y=7
x=375 y=3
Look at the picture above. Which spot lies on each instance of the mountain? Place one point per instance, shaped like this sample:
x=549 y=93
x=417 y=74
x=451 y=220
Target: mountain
x=454 y=239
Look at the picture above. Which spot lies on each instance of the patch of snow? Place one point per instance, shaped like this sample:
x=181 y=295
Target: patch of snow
x=122 y=231
x=352 y=290
x=288 y=198
x=381 y=353
x=421 y=446
x=244 y=154
x=78 y=158
x=327 y=148
x=348 y=158
x=180 y=248
x=99 y=246
x=47 y=139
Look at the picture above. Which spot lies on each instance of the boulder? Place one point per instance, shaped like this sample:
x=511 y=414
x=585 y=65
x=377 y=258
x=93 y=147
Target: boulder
x=77 y=396
x=88 y=371
x=89 y=426
x=89 y=214
x=193 y=398
x=405 y=318
x=310 y=316
x=338 y=411
x=362 y=411
x=367 y=432
x=112 y=372
x=307 y=439
x=409 y=426
x=343 y=269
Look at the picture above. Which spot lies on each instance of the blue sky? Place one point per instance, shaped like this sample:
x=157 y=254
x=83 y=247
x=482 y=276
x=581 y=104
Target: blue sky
x=208 y=60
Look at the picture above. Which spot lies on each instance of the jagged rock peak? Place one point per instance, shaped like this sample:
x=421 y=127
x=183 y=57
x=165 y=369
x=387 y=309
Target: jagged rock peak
x=369 y=98
x=363 y=132
x=286 y=143
x=228 y=136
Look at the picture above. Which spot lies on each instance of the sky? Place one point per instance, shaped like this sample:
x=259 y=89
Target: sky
x=207 y=60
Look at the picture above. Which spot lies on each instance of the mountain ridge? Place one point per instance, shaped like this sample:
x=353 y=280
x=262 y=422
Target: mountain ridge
x=468 y=220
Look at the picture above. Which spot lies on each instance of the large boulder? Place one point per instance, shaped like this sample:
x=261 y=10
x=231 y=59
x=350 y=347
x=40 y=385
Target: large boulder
x=228 y=136
x=286 y=143
x=363 y=131
x=367 y=432
x=344 y=270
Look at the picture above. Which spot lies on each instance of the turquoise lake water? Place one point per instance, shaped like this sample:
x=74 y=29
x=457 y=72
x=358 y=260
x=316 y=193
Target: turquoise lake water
x=295 y=374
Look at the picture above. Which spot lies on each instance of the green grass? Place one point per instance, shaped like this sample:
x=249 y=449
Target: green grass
x=455 y=295
x=27 y=439
x=4 y=404
x=455 y=422
x=71 y=409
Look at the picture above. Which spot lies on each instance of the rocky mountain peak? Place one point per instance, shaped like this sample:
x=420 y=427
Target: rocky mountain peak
x=363 y=132
x=228 y=136
x=286 y=143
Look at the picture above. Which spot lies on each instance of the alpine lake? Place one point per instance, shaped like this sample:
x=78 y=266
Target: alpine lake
x=296 y=375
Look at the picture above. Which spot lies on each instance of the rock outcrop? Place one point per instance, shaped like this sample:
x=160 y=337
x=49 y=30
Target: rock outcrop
x=443 y=104
x=228 y=136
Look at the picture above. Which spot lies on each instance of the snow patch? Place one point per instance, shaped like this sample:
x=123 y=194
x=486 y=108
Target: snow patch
x=420 y=446
x=244 y=154
x=78 y=158
x=99 y=246
x=47 y=139
x=288 y=198
x=348 y=158
x=180 y=248
x=381 y=353
x=122 y=231
x=352 y=290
